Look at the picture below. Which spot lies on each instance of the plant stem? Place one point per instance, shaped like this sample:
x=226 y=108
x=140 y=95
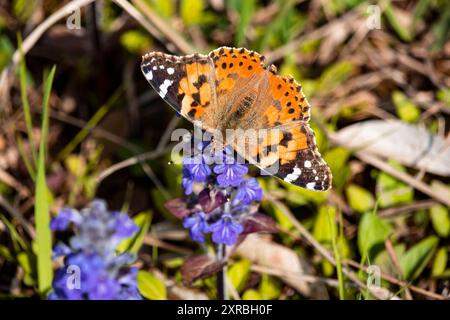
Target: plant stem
x=221 y=275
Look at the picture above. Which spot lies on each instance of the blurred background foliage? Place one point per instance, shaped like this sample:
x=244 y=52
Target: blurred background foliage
x=356 y=60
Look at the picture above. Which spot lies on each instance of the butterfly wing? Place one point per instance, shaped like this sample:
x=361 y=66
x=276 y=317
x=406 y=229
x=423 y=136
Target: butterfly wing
x=183 y=82
x=288 y=149
x=300 y=162
x=232 y=88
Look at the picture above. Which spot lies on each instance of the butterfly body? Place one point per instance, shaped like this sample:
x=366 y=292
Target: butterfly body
x=231 y=90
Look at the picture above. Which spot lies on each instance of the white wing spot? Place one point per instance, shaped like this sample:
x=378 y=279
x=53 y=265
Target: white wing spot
x=170 y=70
x=161 y=67
x=316 y=178
x=293 y=175
x=149 y=75
x=307 y=164
x=310 y=185
x=164 y=87
x=155 y=67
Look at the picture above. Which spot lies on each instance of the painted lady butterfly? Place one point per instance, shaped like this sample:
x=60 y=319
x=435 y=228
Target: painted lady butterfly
x=232 y=89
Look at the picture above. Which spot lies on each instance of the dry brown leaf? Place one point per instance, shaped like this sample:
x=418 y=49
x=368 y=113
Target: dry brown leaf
x=410 y=145
x=272 y=255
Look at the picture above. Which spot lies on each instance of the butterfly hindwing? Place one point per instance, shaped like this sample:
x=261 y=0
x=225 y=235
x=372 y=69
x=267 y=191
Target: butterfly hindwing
x=300 y=161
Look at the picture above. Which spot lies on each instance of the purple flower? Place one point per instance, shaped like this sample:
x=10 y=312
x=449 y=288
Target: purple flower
x=248 y=191
x=226 y=230
x=124 y=226
x=64 y=218
x=64 y=287
x=199 y=170
x=230 y=174
x=197 y=225
x=106 y=288
x=223 y=196
x=187 y=181
x=92 y=267
x=61 y=250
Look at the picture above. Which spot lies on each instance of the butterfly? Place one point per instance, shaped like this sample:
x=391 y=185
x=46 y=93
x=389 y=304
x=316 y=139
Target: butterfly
x=232 y=88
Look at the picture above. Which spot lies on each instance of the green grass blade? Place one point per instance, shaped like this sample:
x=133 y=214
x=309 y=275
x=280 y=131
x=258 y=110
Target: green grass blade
x=26 y=160
x=25 y=102
x=42 y=214
x=337 y=257
x=101 y=112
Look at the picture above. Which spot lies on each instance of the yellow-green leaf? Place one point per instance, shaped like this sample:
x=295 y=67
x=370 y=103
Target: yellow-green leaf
x=359 y=198
x=133 y=244
x=440 y=262
x=440 y=218
x=416 y=258
x=192 y=11
x=269 y=288
x=372 y=231
x=150 y=286
x=406 y=109
x=251 y=294
x=239 y=273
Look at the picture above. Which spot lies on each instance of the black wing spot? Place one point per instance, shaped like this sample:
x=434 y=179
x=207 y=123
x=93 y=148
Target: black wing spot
x=192 y=113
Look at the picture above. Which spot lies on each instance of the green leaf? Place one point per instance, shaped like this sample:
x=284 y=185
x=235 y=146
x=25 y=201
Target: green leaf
x=391 y=191
x=245 y=10
x=414 y=261
x=133 y=244
x=359 y=198
x=135 y=41
x=6 y=253
x=444 y=96
x=26 y=107
x=150 y=286
x=28 y=263
x=251 y=294
x=23 y=9
x=440 y=262
x=441 y=30
x=75 y=164
x=323 y=230
x=19 y=243
x=384 y=261
x=192 y=11
x=440 y=218
x=372 y=232
x=304 y=195
x=43 y=239
x=337 y=160
x=287 y=24
x=402 y=31
x=269 y=288
x=276 y=209
x=239 y=273
x=333 y=76
x=165 y=8
x=6 y=51
x=406 y=109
